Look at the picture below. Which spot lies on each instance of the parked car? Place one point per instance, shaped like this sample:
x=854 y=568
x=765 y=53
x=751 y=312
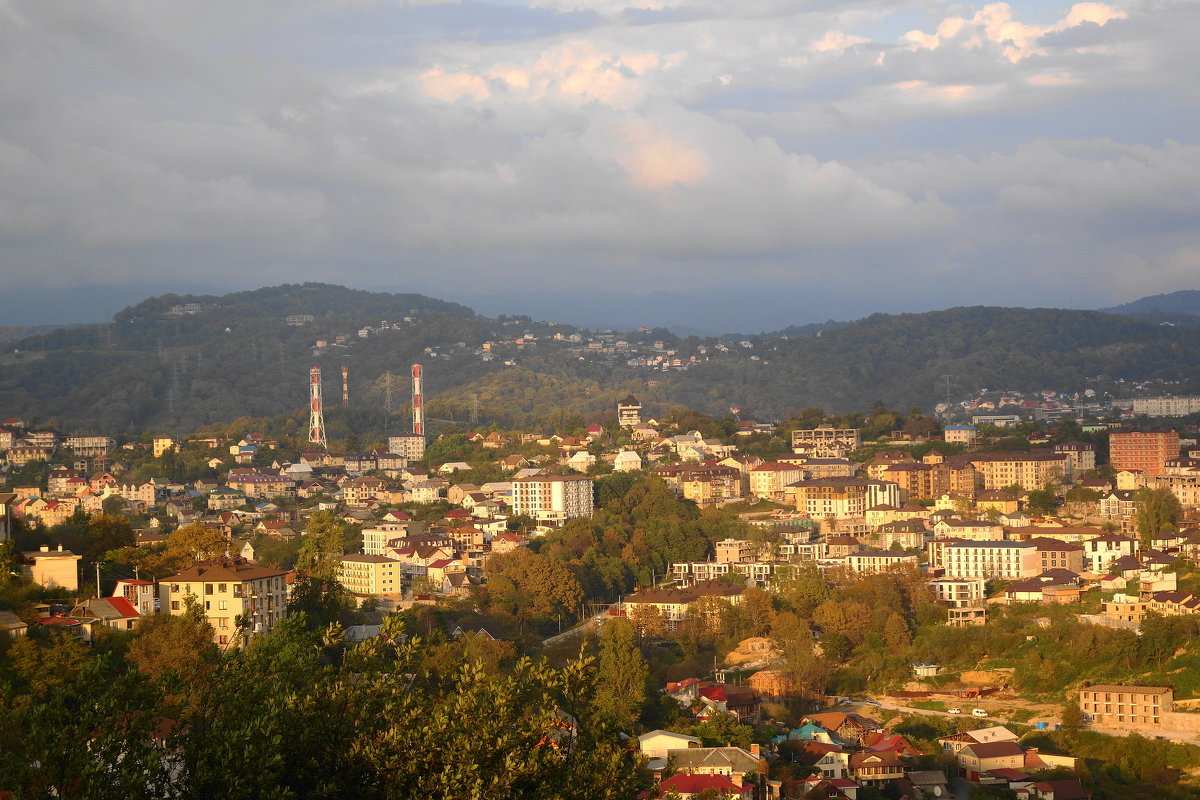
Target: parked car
x=979 y=712
x=953 y=710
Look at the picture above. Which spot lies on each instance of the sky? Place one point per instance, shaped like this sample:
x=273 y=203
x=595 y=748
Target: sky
x=741 y=164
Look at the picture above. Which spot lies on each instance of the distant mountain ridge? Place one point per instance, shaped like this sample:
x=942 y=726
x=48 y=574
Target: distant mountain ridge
x=1186 y=302
x=165 y=364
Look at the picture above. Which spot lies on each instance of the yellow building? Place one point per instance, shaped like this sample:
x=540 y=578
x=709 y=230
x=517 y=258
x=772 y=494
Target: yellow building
x=226 y=589
x=52 y=568
x=370 y=575
x=162 y=444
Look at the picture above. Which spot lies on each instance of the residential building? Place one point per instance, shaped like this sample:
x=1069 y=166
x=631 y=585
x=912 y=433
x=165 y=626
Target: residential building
x=1002 y=560
x=673 y=603
x=1165 y=406
x=553 y=498
x=629 y=412
x=1055 y=554
x=874 y=561
x=163 y=444
x=410 y=446
x=1101 y=552
x=768 y=480
x=52 y=568
x=1147 y=451
x=1030 y=470
x=827 y=434
x=704 y=484
x=371 y=575
x=225 y=590
x=958 y=592
x=1083 y=455
x=89 y=446
x=839 y=498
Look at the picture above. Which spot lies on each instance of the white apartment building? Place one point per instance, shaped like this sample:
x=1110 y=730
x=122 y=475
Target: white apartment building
x=1003 y=560
x=363 y=574
x=873 y=561
x=1166 y=406
x=1100 y=553
x=553 y=498
x=768 y=480
x=958 y=592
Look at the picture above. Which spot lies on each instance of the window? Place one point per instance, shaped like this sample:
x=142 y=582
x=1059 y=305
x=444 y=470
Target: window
x=174 y=588
x=222 y=588
x=174 y=605
x=223 y=604
x=208 y=588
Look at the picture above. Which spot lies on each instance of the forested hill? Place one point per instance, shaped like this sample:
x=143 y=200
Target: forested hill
x=169 y=365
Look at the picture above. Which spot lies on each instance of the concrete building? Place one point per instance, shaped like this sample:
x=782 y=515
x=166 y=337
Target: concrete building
x=52 y=568
x=1107 y=704
x=226 y=589
x=410 y=446
x=1165 y=406
x=1002 y=560
x=373 y=575
x=629 y=412
x=1147 y=451
x=553 y=498
x=826 y=435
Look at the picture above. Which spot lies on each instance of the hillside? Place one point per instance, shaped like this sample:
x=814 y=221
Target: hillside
x=1182 y=302
x=165 y=364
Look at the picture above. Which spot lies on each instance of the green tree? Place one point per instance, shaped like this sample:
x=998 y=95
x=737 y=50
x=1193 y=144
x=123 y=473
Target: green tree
x=181 y=644
x=322 y=547
x=622 y=674
x=1155 y=511
x=1072 y=717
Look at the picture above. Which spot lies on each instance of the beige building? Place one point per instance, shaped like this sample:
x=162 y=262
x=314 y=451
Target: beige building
x=1027 y=470
x=827 y=434
x=52 y=568
x=410 y=446
x=225 y=590
x=553 y=498
x=163 y=444
x=371 y=575
x=1106 y=704
x=768 y=480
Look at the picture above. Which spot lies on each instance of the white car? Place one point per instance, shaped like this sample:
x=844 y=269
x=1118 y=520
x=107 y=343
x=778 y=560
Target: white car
x=979 y=712
x=953 y=710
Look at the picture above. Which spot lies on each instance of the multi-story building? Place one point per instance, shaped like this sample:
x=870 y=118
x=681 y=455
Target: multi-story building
x=1114 y=705
x=407 y=445
x=373 y=575
x=55 y=569
x=768 y=480
x=873 y=561
x=256 y=485
x=361 y=491
x=703 y=484
x=1117 y=504
x=228 y=589
x=163 y=444
x=89 y=446
x=1083 y=455
x=1101 y=551
x=1002 y=560
x=840 y=498
x=1028 y=470
x=958 y=592
x=553 y=498
x=734 y=551
x=1147 y=451
x=673 y=604
x=1165 y=406
x=827 y=434
x=1055 y=554
x=629 y=412
x=966 y=435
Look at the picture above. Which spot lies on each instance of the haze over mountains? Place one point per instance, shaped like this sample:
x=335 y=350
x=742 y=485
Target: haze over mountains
x=237 y=355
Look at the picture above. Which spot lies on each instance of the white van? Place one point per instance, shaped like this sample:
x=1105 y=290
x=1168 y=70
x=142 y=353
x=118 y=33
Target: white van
x=979 y=712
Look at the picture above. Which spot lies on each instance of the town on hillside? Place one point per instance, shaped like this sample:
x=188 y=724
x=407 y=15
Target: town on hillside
x=891 y=604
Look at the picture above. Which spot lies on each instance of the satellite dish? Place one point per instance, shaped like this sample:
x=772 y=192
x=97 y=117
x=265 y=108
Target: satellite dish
x=937 y=791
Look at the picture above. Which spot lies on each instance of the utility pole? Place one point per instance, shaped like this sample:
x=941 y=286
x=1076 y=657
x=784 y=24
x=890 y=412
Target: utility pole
x=97 y=580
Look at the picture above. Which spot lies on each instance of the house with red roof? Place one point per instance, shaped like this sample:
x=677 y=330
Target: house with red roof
x=692 y=785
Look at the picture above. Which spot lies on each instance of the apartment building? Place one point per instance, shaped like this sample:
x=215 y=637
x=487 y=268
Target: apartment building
x=1028 y=470
x=1082 y=454
x=410 y=446
x=875 y=561
x=1002 y=560
x=1114 y=705
x=958 y=592
x=673 y=603
x=1147 y=451
x=703 y=484
x=226 y=589
x=827 y=435
x=363 y=574
x=769 y=480
x=1165 y=406
x=89 y=446
x=553 y=498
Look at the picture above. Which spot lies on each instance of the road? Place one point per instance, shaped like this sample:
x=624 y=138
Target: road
x=590 y=623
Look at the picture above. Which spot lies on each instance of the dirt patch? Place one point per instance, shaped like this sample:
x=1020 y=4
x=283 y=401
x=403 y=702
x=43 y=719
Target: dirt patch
x=987 y=677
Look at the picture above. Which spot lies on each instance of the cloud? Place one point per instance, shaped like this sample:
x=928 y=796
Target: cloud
x=995 y=23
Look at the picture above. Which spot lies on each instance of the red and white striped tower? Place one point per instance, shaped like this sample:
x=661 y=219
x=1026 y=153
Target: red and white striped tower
x=418 y=411
x=316 y=417
x=345 y=387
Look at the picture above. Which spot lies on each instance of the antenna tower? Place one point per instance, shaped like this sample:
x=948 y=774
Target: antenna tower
x=418 y=410
x=345 y=386
x=316 y=417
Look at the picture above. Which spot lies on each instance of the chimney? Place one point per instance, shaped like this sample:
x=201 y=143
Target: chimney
x=44 y=548
x=755 y=750
x=60 y=548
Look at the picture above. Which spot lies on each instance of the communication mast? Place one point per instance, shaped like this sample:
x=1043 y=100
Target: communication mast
x=316 y=417
x=418 y=411
x=345 y=386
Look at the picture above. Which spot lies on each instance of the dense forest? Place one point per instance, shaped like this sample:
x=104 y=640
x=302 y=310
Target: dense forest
x=237 y=356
